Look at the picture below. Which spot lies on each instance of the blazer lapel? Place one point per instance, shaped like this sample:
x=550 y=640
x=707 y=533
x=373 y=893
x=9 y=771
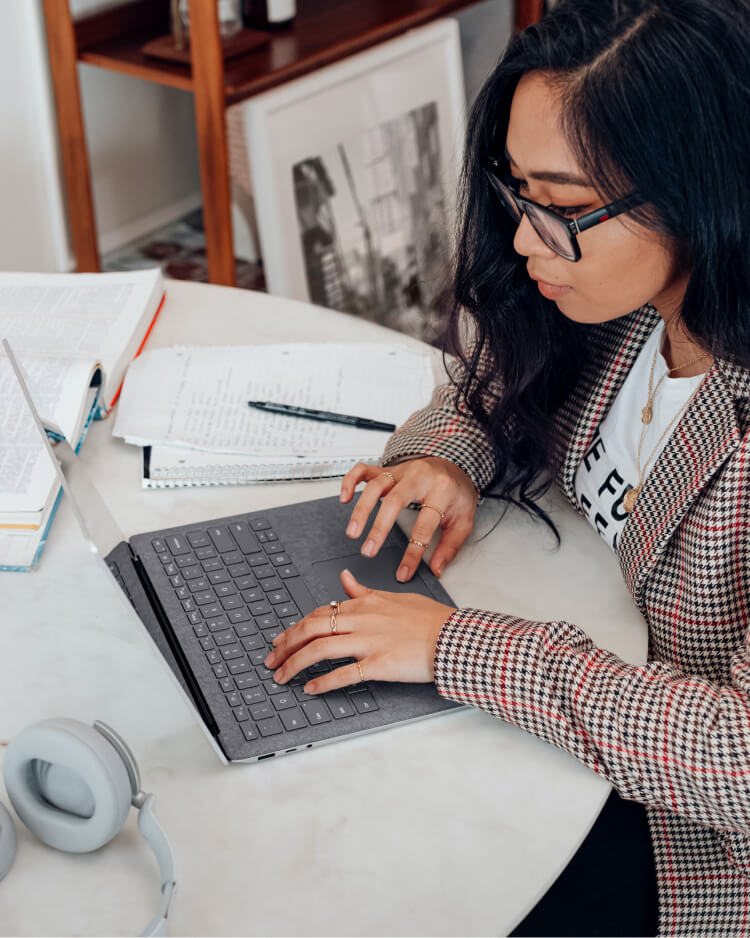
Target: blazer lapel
x=700 y=444
x=614 y=347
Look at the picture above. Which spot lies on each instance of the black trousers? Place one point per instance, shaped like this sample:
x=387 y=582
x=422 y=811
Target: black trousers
x=609 y=887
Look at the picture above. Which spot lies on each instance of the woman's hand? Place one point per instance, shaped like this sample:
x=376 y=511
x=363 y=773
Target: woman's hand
x=392 y=636
x=447 y=495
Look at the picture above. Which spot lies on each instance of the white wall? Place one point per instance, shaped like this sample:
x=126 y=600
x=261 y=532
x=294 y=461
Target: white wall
x=141 y=138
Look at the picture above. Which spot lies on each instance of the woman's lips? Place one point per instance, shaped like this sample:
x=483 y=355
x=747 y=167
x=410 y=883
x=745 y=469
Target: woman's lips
x=552 y=291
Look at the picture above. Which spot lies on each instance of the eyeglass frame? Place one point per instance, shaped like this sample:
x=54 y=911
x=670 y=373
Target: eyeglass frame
x=573 y=226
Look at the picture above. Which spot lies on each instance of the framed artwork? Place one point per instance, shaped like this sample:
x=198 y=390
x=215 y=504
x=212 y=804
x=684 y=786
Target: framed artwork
x=354 y=175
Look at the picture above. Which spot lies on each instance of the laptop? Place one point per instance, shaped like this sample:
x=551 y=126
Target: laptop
x=213 y=596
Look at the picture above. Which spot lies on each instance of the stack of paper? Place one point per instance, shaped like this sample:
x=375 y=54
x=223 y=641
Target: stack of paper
x=187 y=407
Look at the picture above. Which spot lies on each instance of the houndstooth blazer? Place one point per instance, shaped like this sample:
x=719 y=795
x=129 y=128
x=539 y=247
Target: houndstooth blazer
x=673 y=734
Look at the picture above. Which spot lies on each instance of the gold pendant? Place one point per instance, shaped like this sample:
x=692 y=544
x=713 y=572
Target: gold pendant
x=647 y=414
x=631 y=496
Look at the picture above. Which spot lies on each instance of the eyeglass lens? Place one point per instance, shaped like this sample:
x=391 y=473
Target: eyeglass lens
x=553 y=231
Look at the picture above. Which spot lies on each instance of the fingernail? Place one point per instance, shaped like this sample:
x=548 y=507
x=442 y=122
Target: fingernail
x=353 y=529
x=369 y=549
x=341 y=496
x=403 y=573
x=439 y=571
x=310 y=687
x=279 y=676
x=270 y=659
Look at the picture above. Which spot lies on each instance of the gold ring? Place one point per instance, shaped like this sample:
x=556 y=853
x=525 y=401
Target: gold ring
x=361 y=675
x=335 y=609
x=390 y=475
x=434 y=508
x=413 y=540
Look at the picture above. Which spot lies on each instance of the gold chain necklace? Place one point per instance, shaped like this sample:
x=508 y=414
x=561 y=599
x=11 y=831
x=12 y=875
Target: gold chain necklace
x=647 y=414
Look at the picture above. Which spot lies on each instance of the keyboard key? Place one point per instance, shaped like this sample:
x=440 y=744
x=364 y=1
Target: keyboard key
x=185 y=560
x=269 y=727
x=266 y=622
x=177 y=544
x=270 y=634
x=271 y=535
x=264 y=572
x=364 y=703
x=182 y=592
x=252 y=642
x=206 y=642
x=221 y=538
x=259 y=524
x=244 y=536
x=188 y=605
x=225 y=589
x=244 y=628
x=220 y=671
x=276 y=547
x=232 y=651
x=253 y=695
x=239 y=615
x=280 y=560
x=271 y=583
x=231 y=602
x=176 y=580
x=241 y=714
x=204 y=597
x=200 y=629
x=293 y=719
x=198 y=539
x=218 y=576
x=247 y=680
x=165 y=558
x=171 y=569
x=210 y=610
x=263 y=672
x=198 y=584
x=301 y=695
x=259 y=609
x=258 y=657
x=238 y=569
x=193 y=573
x=257 y=561
x=225 y=638
x=287 y=609
x=238 y=666
x=213 y=656
x=205 y=552
x=253 y=595
x=158 y=545
x=226 y=684
x=279 y=596
x=316 y=712
x=287 y=572
x=262 y=711
x=194 y=616
x=233 y=698
x=210 y=566
x=288 y=621
x=249 y=731
x=232 y=557
x=245 y=582
x=339 y=705
x=320 y=667
x=271 y=687
x=284 y=701
x=217 y=624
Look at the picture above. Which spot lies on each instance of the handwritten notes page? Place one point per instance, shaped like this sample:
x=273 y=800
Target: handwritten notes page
x=197 y=396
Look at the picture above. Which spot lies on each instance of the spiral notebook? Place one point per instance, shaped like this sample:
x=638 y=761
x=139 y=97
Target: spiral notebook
x=197 y=429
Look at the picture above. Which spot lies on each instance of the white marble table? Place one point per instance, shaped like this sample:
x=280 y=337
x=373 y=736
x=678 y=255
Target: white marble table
x=455 y=825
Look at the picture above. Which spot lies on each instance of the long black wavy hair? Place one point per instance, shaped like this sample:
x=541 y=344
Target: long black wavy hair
x=655 y=98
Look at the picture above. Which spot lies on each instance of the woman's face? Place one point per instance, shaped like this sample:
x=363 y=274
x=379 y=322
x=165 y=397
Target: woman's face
x=622 y=265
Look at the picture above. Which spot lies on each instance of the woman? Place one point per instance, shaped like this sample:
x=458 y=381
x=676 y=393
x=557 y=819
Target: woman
x=613 y=357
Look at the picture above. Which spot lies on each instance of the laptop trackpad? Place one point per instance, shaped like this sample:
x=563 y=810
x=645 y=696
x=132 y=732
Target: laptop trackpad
x=376 y=572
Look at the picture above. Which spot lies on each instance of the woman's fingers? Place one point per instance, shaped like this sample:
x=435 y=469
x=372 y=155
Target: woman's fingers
x=361 y=472
x=374 y=491
x=450 y=544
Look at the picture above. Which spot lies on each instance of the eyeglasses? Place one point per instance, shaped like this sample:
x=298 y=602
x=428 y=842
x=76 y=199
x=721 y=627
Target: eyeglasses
x=557 y=232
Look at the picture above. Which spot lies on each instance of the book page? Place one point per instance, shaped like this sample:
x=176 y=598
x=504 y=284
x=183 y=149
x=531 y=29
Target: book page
x=97 y=317
x=59 y=388
x=197 y=396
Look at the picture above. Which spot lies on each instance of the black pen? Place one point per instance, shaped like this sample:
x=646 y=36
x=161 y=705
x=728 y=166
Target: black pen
x=363 y=423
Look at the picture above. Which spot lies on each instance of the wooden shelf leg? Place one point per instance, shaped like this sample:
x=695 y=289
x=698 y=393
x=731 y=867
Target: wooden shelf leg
x=61 y=46
x=528 y=12
x=208 y=88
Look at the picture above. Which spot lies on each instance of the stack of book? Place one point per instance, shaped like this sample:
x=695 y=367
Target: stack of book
x=74 y=336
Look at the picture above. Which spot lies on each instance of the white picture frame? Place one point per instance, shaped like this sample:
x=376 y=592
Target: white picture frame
x=377 y=138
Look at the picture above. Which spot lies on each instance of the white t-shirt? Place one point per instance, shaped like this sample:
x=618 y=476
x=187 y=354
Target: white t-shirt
x=609 y=467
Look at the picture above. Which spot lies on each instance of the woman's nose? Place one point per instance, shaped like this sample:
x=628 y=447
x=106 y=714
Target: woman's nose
x=528 y=243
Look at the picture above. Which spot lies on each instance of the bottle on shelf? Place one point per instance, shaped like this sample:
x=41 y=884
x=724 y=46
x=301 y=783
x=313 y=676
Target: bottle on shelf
x=268 y=14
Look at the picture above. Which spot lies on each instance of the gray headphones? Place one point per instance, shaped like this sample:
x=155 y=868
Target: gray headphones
x=72 y=785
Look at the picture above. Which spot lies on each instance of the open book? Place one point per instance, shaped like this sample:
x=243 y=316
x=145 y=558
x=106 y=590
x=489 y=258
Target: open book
x=73 y=335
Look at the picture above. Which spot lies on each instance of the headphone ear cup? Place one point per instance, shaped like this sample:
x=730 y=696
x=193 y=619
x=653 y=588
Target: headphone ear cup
x=7 y=841
x=68 y=785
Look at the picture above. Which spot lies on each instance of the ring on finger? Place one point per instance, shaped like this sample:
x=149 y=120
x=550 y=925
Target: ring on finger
x=335 y=609
x=361 y=675
x=434 y=508
x=390 y=475
x=416 y=543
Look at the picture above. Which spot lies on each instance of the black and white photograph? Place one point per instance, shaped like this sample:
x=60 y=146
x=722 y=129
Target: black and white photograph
x=372 y=223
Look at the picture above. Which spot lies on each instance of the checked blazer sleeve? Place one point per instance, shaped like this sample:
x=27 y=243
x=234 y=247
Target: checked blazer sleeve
x=445 y=429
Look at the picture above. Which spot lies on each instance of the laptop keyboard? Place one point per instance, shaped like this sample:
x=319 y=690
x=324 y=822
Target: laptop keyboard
x=235 y=583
